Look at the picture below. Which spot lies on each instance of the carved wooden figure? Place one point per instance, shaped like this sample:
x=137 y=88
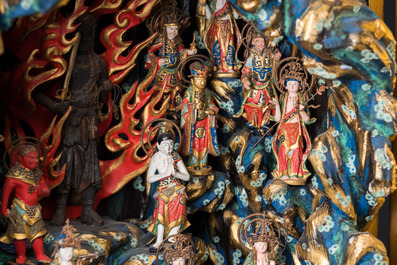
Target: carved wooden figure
x=89 y=86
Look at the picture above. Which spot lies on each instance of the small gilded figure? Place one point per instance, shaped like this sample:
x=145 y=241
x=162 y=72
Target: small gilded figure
x=166 y=168
x=198 y=122
x=165 y=55
x=23 y=186
x=258 y=82
x=221 y=34
x=291 y=143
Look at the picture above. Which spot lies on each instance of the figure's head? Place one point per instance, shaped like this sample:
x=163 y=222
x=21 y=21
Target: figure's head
x=29 y=157
x=65 y=255
x=198 y=75
x=87 y=30
x=87 y=23
x=179 y=261
x=165 y=143
x=261 y=247
x=258 y=41
x=172 y=31
x=292 y=85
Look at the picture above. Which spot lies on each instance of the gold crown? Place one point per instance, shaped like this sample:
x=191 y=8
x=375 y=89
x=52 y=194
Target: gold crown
x=263 y=232
x=295 y=71
x=168 y=14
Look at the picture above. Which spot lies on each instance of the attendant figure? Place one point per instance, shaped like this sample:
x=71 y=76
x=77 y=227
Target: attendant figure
x=65 y=245
x=220 y=33
x=291 y=143
x=23 y=186
x=164 y=57
x=166 y=168
x=198 y=122
x=260 y=254
x=89 y=87
x=258 y=83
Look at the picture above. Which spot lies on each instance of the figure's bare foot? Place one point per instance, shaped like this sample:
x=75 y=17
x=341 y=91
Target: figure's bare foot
x=152 y=248
x=43 y=259
x=21 y=259
x=59 y=217
x=90 y=217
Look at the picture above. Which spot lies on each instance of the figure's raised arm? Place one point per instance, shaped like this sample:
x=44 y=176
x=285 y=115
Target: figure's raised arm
x=277 y=114
x=304 y=115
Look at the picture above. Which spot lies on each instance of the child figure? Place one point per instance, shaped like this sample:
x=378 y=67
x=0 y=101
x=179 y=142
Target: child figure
x=26 y=224
x=291 y=143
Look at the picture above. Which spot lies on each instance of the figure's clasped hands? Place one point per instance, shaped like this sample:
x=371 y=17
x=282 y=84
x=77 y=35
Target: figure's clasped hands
x=191 y=52
x=210 y=112
x=274 y=102
x=162 y=62
x=277 y=55
x=246 y=84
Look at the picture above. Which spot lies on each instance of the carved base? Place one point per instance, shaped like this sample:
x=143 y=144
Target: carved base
x=202 y=171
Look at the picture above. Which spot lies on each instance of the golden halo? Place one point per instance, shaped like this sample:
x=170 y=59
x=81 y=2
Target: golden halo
x=273 y=229
x=292 y=67
x=166 y=15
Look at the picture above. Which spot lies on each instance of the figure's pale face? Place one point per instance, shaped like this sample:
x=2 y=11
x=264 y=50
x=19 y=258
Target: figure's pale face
x=65 y=255
x=259 y=44
x=166 y=147
x=293 y=86
x=179 y=261
x=199 y=82
x=260 y=247
x=172 y=32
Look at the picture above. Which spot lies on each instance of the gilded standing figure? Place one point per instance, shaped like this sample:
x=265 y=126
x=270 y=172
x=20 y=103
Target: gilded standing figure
x=198 y=122
x=220 y=33
x=164 y=57
x=257 y=81
x=291 y=143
